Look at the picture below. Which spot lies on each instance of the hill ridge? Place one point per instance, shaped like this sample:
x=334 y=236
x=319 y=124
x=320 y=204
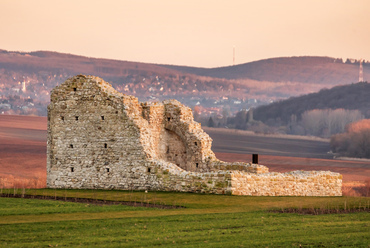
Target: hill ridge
x=302 y=69
x=350 y=97
x=306 y=69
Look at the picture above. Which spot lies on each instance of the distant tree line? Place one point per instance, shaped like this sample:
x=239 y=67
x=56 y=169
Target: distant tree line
x=323 y=122
x=317 y=122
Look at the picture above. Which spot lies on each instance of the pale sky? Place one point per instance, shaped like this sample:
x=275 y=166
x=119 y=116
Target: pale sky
x=188 y=32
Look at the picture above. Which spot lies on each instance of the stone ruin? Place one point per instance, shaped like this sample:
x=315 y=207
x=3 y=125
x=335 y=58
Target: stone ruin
x=99 y=138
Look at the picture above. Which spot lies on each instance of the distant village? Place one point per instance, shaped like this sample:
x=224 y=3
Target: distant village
x=29 y=93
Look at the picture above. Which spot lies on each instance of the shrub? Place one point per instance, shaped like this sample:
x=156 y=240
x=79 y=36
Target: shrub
x=355 y=142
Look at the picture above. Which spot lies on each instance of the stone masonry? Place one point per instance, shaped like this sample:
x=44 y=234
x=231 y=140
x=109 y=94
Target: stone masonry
x=100 y=138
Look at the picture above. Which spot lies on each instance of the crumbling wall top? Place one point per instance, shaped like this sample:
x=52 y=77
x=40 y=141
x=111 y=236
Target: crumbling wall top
x=88 y=84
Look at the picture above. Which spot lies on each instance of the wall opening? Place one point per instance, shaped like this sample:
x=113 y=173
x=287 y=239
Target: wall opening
x=148 y=169
x=102 y=118
x=107 y=169
x=168 y=119
x=76 y=118
x=105 y=145
x=72 y=169
x=70 y=146
x=171 y=148
x=74 y=89
x=197 y=165
x=62 y=118
x=195 y=143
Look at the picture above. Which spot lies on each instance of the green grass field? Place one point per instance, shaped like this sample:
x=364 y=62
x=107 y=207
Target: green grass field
x=207 y=221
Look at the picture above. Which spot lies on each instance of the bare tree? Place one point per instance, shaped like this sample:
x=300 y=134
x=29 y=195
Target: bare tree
x=326 y=122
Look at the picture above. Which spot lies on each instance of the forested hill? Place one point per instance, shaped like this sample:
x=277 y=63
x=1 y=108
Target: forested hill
x=352 y=97
x=307 y=69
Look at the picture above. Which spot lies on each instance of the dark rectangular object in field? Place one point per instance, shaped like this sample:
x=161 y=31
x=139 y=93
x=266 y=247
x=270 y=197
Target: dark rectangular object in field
x=255 y=159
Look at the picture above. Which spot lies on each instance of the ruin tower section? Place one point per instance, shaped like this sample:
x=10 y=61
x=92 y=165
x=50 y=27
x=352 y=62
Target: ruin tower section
x=90 y=133
x=100 y=138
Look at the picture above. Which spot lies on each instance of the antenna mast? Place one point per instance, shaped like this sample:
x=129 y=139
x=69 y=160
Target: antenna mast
x=234 y=55
x=361 y=72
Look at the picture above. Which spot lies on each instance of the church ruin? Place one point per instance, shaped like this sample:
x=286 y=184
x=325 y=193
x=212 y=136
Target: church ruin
x=100 y=138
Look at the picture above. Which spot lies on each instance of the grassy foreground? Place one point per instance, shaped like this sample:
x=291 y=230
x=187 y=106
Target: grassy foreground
x=207 y=221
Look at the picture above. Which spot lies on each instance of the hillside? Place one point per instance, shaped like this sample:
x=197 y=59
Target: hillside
x=351 y=97
x=55 y=62
x=322 y=70
x=26 y=79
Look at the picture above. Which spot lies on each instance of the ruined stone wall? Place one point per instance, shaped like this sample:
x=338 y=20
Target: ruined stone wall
x=173 y=178
x=296 y=183
x=90 y=137
x=179 y=119
x=100 y=138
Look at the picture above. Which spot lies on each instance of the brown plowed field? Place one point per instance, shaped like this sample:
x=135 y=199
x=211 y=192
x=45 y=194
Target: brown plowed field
x=23 y=152
x=244 y=142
